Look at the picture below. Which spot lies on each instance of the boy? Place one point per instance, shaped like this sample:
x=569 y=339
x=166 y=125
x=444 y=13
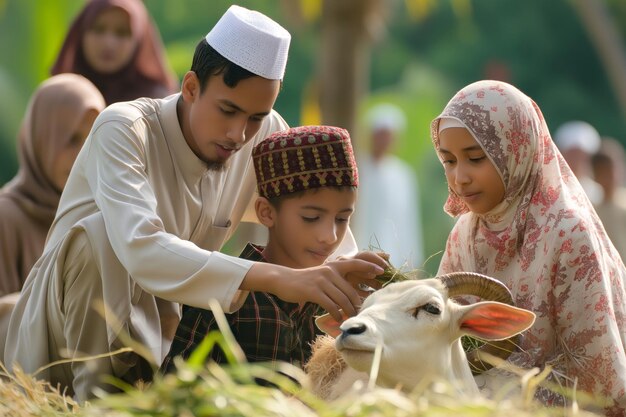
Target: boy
x=306 y=180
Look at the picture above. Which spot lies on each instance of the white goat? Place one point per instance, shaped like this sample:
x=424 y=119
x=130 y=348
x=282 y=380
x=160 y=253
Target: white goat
x=419 y=327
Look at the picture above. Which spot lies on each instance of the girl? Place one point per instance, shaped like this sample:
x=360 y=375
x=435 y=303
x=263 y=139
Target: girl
x=114 y=44
x=529 y=224
x=57 y=121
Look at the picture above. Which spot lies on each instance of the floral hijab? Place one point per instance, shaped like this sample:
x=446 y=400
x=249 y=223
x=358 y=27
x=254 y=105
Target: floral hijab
x=545 y=242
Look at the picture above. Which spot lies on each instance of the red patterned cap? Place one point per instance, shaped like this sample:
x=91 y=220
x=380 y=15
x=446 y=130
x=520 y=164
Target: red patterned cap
x=303 y=158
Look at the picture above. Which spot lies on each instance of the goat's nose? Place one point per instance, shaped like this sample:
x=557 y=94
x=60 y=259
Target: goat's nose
x=356 y=328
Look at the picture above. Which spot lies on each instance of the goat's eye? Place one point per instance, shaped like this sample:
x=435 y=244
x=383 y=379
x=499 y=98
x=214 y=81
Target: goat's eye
x=429 y=308
x=432 y=309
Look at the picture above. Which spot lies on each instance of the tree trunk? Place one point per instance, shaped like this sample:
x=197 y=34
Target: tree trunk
x=608 y=43
x=348 y=29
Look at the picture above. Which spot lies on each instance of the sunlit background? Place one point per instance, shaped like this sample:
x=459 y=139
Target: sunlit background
x=347 y=55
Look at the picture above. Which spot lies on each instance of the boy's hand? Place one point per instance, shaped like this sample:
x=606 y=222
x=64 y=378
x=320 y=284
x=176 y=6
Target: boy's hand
x=327 y=285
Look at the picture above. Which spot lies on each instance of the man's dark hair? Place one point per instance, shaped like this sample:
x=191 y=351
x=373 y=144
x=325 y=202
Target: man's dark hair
x=207 y=62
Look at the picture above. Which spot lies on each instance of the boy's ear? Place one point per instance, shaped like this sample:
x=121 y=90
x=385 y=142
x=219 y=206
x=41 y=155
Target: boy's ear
x=190 y=87
x=265 y=212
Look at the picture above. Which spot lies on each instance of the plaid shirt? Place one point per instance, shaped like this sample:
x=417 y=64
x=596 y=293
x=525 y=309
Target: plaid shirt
x=266 y=327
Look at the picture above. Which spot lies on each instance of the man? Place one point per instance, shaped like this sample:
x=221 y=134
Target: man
x=155 y=192
x=388 y=214
x=578 y=141
x=608 y=171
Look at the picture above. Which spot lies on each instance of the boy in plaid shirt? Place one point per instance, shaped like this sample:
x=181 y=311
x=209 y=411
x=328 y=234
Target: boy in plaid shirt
x=306 y=180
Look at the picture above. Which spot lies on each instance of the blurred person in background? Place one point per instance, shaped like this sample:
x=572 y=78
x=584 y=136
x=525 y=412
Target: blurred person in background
x=57 y=121
x=578 y=141
x=117 y=47
x=608 y=170
x=388 y=215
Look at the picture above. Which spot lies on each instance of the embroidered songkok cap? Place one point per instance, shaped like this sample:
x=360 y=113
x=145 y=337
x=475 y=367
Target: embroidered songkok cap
x=304 y=158
x=251 y=40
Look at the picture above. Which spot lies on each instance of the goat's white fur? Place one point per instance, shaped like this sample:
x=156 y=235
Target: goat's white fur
x=417 y=343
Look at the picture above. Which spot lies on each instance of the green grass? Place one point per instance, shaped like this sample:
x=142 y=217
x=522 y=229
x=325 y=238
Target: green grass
x=199 y=389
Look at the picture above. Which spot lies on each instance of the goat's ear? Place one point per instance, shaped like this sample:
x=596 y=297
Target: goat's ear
x=329 y=325
x=490 y=320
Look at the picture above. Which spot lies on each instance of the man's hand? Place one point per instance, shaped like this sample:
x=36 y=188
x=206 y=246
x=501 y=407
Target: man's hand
x=329 y=285
x=359 y=281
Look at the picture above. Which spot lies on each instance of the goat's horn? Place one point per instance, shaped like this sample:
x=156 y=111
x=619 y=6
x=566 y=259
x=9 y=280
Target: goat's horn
x=488 y=289
x=471 y=283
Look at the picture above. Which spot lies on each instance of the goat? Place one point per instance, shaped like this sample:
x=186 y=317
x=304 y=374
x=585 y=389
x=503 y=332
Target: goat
x=418 y=325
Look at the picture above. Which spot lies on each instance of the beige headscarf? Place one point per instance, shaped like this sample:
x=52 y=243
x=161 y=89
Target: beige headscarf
x=29 y=201
x=544 y=241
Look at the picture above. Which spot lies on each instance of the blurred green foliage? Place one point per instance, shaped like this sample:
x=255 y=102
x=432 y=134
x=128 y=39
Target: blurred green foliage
x=539 y=46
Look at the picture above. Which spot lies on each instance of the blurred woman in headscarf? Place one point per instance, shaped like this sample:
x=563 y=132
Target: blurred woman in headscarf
x=115 y=45
x=57 y=121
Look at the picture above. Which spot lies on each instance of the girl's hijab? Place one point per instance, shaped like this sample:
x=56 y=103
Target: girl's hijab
x=510 y=128
x=53 y=115
x=146 y=75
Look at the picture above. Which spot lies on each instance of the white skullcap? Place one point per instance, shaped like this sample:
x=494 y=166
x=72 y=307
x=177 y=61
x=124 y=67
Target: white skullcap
x=387 y=117
x=448 y=122
x=251 y=40
x=577 y=135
